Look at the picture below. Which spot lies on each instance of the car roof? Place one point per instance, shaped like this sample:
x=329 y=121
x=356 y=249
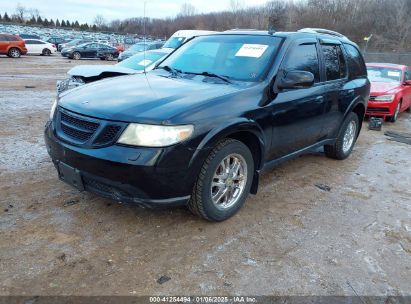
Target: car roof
x=386 y=65
x=304 y=33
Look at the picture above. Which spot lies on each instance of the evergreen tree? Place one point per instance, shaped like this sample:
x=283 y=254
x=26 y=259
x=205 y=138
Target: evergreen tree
x=39 y=21
x=45 y=22
x=63 y=23
x=94 y=28
x=58 y=23
x=1 y=18
x=6 y=17
x=76 y=24
x=52 y=23
x=32 y=20
x=68 y=24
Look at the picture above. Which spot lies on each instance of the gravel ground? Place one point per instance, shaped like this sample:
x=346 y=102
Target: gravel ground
x=291 y=239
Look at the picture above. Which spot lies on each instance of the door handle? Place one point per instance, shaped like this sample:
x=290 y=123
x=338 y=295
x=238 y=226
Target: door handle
x=319 y=99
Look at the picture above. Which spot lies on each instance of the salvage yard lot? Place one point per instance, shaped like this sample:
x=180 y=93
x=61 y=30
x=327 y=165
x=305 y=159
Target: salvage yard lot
x=294 y=238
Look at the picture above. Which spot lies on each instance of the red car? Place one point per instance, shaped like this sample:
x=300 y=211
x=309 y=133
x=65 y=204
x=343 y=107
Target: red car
x=390 y=90
x=12 y=46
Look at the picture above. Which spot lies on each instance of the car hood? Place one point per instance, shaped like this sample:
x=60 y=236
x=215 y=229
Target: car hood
x=378 y=88
x=149 y=98
x=97 y=70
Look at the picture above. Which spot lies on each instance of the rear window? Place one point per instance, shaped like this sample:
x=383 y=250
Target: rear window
x=334 y=62
x=355 y=62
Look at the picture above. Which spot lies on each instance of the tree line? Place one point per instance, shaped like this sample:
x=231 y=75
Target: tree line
x=388 y=22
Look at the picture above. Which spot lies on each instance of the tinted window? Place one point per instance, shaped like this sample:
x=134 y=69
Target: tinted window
x=3 y=38
x=174 y=42
x=303 y=58
x=12 y=38
x=355 y=62
x=334 y=62
x=37 y=42
x=407 y=75
x=140 y=61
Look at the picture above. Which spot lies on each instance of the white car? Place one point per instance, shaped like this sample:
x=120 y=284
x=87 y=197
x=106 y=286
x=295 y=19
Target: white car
x=39 y=47
x=179 y=37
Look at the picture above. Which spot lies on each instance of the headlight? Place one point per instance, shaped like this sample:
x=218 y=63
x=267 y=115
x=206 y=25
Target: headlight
x=154 y=135
x=385 y=98
x=53 y=109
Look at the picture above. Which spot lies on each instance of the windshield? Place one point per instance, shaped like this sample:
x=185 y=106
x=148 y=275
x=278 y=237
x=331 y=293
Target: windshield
x=139 y=47
x=174 y=42
x=381 y=74
x=238 y=57
x=139 y=62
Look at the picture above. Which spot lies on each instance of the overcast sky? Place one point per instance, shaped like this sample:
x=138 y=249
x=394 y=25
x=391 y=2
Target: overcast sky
x=85 y=10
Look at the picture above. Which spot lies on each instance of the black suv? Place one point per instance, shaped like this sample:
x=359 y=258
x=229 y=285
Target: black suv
x=200 y=128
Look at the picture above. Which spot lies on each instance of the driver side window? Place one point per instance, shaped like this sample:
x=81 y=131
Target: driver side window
x=303 y=57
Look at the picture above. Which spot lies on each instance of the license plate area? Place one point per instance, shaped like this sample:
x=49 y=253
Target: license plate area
x=71 y=176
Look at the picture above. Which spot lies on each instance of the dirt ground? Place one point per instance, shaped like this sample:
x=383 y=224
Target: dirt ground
x=291 y=239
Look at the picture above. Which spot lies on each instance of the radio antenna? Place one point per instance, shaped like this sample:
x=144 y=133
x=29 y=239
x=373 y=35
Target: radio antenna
x=144 y=33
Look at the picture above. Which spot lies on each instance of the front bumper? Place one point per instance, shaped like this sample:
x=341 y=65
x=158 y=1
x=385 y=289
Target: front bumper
x=380 y=109
x=144 y=176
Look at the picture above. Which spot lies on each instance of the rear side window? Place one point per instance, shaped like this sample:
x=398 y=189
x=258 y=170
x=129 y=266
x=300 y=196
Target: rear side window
x=303 y=58
x=334 y=62
x=12 y=38
x=407 y=75
x=3 y=38
x=355 y=62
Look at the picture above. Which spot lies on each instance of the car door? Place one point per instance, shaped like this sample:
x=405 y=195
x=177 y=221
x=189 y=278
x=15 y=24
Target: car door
x=407 y=89
x=38 y=46
x=4 y=43
x=340 y=92
x=297 y=113
x=31 y=48
x=89 y=50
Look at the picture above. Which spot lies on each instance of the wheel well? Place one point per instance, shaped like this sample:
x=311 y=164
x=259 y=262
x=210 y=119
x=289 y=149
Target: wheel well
x=359 y=109
x=252 y=142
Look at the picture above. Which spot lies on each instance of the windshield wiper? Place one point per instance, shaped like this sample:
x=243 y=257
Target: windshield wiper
x=208 y=74
x=173 y=71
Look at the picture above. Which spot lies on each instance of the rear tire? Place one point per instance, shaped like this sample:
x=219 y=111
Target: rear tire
x=46 y=52
x=346 y=139
x=14 y=53
x=109 y=57
x=396 y=113
x=76 y=56
x=224 y=181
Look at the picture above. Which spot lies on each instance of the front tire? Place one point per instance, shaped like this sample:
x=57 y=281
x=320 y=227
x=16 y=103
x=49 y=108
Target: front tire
x=76 y=56
x=346 y=139
x=109 y=57
x=396 y=113
x=14 y=53
x=224 y=181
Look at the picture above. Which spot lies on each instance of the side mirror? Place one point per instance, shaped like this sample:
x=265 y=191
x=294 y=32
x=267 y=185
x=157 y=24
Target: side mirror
x=296 y=80
x=407 y=83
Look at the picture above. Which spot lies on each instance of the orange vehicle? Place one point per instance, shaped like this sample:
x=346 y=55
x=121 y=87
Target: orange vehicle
x=12 y=46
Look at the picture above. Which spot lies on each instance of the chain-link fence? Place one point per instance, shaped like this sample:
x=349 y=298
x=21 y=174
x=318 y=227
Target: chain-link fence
x=398 y=58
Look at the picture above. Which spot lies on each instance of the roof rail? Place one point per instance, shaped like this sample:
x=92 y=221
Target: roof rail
x=240 y=29
x=321 y=31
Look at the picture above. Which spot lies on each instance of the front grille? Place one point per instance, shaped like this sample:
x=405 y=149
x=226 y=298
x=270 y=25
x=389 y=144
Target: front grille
x=374 y=109
x=85 y=131
x=77 y=128
x=108 y=134
x=79 y=123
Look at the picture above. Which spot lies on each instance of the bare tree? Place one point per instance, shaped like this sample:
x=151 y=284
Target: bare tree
x=187 y=10
x=21 y=12
x=99 y=21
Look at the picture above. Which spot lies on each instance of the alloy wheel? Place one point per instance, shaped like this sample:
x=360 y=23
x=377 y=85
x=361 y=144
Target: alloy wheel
x=229 y=181
x=349 y=136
